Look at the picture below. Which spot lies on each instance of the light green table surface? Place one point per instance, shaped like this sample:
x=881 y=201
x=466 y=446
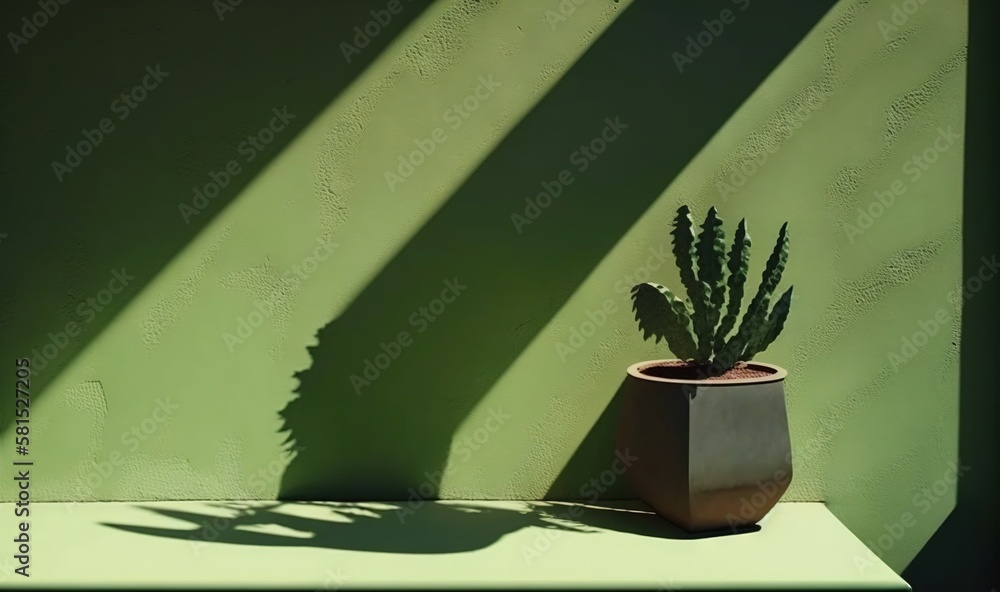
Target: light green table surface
x=437 y=544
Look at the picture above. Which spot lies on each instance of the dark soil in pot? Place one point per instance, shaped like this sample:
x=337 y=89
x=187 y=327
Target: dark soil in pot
x=676 y=370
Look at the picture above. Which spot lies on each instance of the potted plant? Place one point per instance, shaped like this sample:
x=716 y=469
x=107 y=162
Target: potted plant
x=709 y=428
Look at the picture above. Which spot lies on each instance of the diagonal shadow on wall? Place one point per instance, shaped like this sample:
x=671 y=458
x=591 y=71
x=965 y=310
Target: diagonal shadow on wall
x=220 y=74
x=387 y=435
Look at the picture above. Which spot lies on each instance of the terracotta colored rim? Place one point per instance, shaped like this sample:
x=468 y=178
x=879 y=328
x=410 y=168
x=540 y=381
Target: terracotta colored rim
x=779 y=374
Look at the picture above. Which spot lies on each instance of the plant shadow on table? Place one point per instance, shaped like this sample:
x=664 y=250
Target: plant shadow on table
x=383 y=527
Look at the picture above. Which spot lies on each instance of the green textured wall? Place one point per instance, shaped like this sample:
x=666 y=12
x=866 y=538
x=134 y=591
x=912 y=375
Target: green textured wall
x=314 y=256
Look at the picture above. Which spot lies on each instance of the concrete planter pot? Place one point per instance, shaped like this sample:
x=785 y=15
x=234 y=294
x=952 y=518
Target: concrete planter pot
x=711 y=454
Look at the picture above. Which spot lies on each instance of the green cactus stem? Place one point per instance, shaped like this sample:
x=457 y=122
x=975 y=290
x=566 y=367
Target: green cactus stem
x=699 y=330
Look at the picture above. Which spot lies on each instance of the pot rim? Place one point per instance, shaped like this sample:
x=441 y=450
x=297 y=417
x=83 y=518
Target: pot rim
x=779 y=374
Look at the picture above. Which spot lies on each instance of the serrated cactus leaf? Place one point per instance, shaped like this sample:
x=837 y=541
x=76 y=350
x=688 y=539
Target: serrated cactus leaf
x=739 y=269
x=711 y=251
x=664 y=316
x=772 y=326
x=685 y=254
x=756 y=314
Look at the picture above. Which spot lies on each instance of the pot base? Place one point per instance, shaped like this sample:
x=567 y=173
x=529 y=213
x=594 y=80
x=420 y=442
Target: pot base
x=711 y=455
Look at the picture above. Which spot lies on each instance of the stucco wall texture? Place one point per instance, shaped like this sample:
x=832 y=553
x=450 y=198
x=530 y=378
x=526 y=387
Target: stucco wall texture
x=178 y=396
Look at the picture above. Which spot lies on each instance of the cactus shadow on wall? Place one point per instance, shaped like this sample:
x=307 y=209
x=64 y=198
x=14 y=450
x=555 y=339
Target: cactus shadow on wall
x=220 y=76
x=388 y=437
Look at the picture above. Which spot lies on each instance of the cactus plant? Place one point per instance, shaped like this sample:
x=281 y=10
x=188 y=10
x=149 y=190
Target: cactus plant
x=697 y=330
